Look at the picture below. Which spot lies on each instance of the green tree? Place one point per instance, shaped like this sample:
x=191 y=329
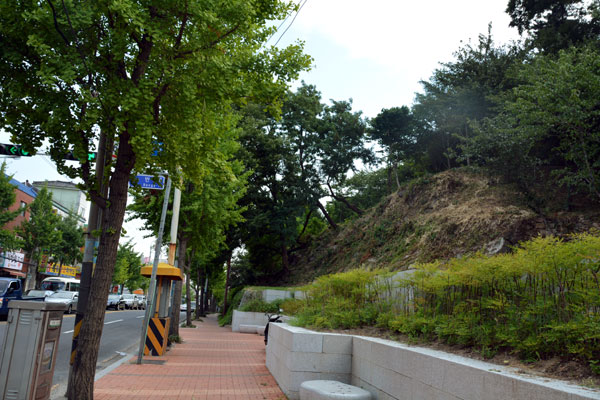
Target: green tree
x=39 y=233
x=341 y=144
x=67 y=250
x=394 y=130
x=555 y=24
x=459 y=94
x=8 y=240
x=551 y=119
x=127 y=268
x=148 y=75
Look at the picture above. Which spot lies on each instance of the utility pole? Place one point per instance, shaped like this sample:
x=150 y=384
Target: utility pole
x=87 y=265
x=174 y=326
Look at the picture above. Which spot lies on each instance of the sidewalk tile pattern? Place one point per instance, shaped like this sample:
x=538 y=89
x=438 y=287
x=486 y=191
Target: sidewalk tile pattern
x=212 y=363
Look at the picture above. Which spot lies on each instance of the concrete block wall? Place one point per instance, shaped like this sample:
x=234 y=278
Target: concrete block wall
x=247 y=318
x=295 y=355
x=392 y=370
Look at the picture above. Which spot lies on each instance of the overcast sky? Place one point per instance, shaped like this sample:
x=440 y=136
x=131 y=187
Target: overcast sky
x=374 y=52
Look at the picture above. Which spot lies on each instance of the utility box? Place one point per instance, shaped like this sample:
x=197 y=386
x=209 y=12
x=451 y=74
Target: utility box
x=29 y=350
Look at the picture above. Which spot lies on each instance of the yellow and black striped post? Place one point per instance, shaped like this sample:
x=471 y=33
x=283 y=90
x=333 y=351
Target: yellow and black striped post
x=157 y=336
x=78 y=321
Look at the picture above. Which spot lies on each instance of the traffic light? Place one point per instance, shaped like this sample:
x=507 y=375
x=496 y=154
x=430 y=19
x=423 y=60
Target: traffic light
x=70 y=156
x=13 y=150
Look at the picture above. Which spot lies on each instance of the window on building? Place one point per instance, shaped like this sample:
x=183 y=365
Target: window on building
x=23 y=208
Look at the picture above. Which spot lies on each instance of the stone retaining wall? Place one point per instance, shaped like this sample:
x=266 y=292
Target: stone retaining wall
x=247 y=318
x=295 y=355
x=392 y=370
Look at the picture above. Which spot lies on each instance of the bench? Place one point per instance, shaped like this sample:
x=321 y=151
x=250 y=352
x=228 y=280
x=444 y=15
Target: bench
x=331 y=390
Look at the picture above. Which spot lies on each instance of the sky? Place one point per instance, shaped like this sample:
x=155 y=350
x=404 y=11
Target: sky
x=373 y=52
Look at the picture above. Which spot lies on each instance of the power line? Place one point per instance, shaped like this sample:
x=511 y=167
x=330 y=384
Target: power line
x=286 y=29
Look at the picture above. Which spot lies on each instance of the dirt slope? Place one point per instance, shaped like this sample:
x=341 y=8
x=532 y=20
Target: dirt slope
x=447 y=215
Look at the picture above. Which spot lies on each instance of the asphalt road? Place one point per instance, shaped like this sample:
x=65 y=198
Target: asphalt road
x=120 y=336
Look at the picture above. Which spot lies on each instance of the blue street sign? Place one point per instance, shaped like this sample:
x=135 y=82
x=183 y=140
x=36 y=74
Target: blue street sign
x=149 y=182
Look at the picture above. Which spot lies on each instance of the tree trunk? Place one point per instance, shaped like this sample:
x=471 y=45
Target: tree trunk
x=389 y=179
x=345 y=201
x=285 y=263
x=188 y=300
x=396 y=175
x=226 y=284
x=202 y=295
x=327 y=216
x=81 y=384
x=175 y=309
x=197 y=290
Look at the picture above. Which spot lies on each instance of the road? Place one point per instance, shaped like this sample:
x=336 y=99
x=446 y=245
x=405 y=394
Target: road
x=120 y=336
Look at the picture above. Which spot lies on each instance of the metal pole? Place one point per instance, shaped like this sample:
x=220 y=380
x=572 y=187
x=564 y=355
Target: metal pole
x=152 y=289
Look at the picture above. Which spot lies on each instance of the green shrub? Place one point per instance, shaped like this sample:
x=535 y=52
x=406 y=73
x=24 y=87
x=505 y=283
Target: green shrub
x=543 y=300
x=235 y=297
x=259 y=305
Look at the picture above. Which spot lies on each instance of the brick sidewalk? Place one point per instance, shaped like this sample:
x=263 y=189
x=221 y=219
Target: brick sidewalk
x=211 y=363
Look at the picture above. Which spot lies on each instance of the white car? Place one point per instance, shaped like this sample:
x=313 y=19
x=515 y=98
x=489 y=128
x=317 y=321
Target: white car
x=64 y=297
x=131 y=301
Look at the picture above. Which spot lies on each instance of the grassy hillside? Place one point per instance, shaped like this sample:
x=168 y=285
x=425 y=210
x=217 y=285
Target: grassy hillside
x=447 y=215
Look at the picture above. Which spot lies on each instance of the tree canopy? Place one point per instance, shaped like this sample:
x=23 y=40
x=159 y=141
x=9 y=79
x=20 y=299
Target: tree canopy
x=157 y=79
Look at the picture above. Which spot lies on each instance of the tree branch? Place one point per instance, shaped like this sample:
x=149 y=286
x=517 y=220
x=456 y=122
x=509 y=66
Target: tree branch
x=210 y=45
x=56 y=23
x=345 y=201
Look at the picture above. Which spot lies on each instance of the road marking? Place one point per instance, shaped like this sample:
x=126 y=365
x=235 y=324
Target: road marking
x=112 y=322
x=141 y=316
x=106 y=323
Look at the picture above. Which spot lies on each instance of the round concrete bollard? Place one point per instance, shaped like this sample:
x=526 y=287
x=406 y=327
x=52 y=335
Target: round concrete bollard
x=331 y=390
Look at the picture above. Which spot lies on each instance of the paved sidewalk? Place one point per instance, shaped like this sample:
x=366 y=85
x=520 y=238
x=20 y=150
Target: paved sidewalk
x=211 y=363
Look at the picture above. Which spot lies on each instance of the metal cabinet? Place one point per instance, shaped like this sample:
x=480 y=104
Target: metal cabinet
x=29 y=350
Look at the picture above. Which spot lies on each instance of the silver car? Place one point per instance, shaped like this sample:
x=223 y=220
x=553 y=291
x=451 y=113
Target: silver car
x=64 y=297
x=131 y=301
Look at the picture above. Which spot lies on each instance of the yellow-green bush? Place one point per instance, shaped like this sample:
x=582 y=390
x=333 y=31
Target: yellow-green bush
x=540 y=301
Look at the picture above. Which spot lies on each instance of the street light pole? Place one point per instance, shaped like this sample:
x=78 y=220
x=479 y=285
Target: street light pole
x=152 y=289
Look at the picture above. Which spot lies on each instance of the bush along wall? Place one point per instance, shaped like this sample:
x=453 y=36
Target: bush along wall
x=543 y=300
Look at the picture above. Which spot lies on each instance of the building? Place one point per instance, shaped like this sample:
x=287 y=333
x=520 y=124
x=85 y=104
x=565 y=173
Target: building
x=66 y=198
x=25 y=195
x=13 y=263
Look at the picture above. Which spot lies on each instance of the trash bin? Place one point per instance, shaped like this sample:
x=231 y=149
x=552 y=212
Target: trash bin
x=29 y=349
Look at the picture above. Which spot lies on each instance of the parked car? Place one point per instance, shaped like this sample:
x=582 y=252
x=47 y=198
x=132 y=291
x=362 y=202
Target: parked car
x=115 y=301
x=35 y=294
x=10 y=289
x=131 y=301
x=64 y=297
x=142 y=300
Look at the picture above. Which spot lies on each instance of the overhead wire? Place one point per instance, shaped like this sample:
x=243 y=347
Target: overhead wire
x=291 y=23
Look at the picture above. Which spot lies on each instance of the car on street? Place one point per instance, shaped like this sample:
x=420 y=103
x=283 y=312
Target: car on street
x=142 y=300
x=131 y=301
x=10 y=289
x=183 y=306
x=67 y=298
x=37 y=294
x=115 y=301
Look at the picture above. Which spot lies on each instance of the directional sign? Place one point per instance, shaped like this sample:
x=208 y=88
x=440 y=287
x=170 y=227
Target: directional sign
x=149 y=182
